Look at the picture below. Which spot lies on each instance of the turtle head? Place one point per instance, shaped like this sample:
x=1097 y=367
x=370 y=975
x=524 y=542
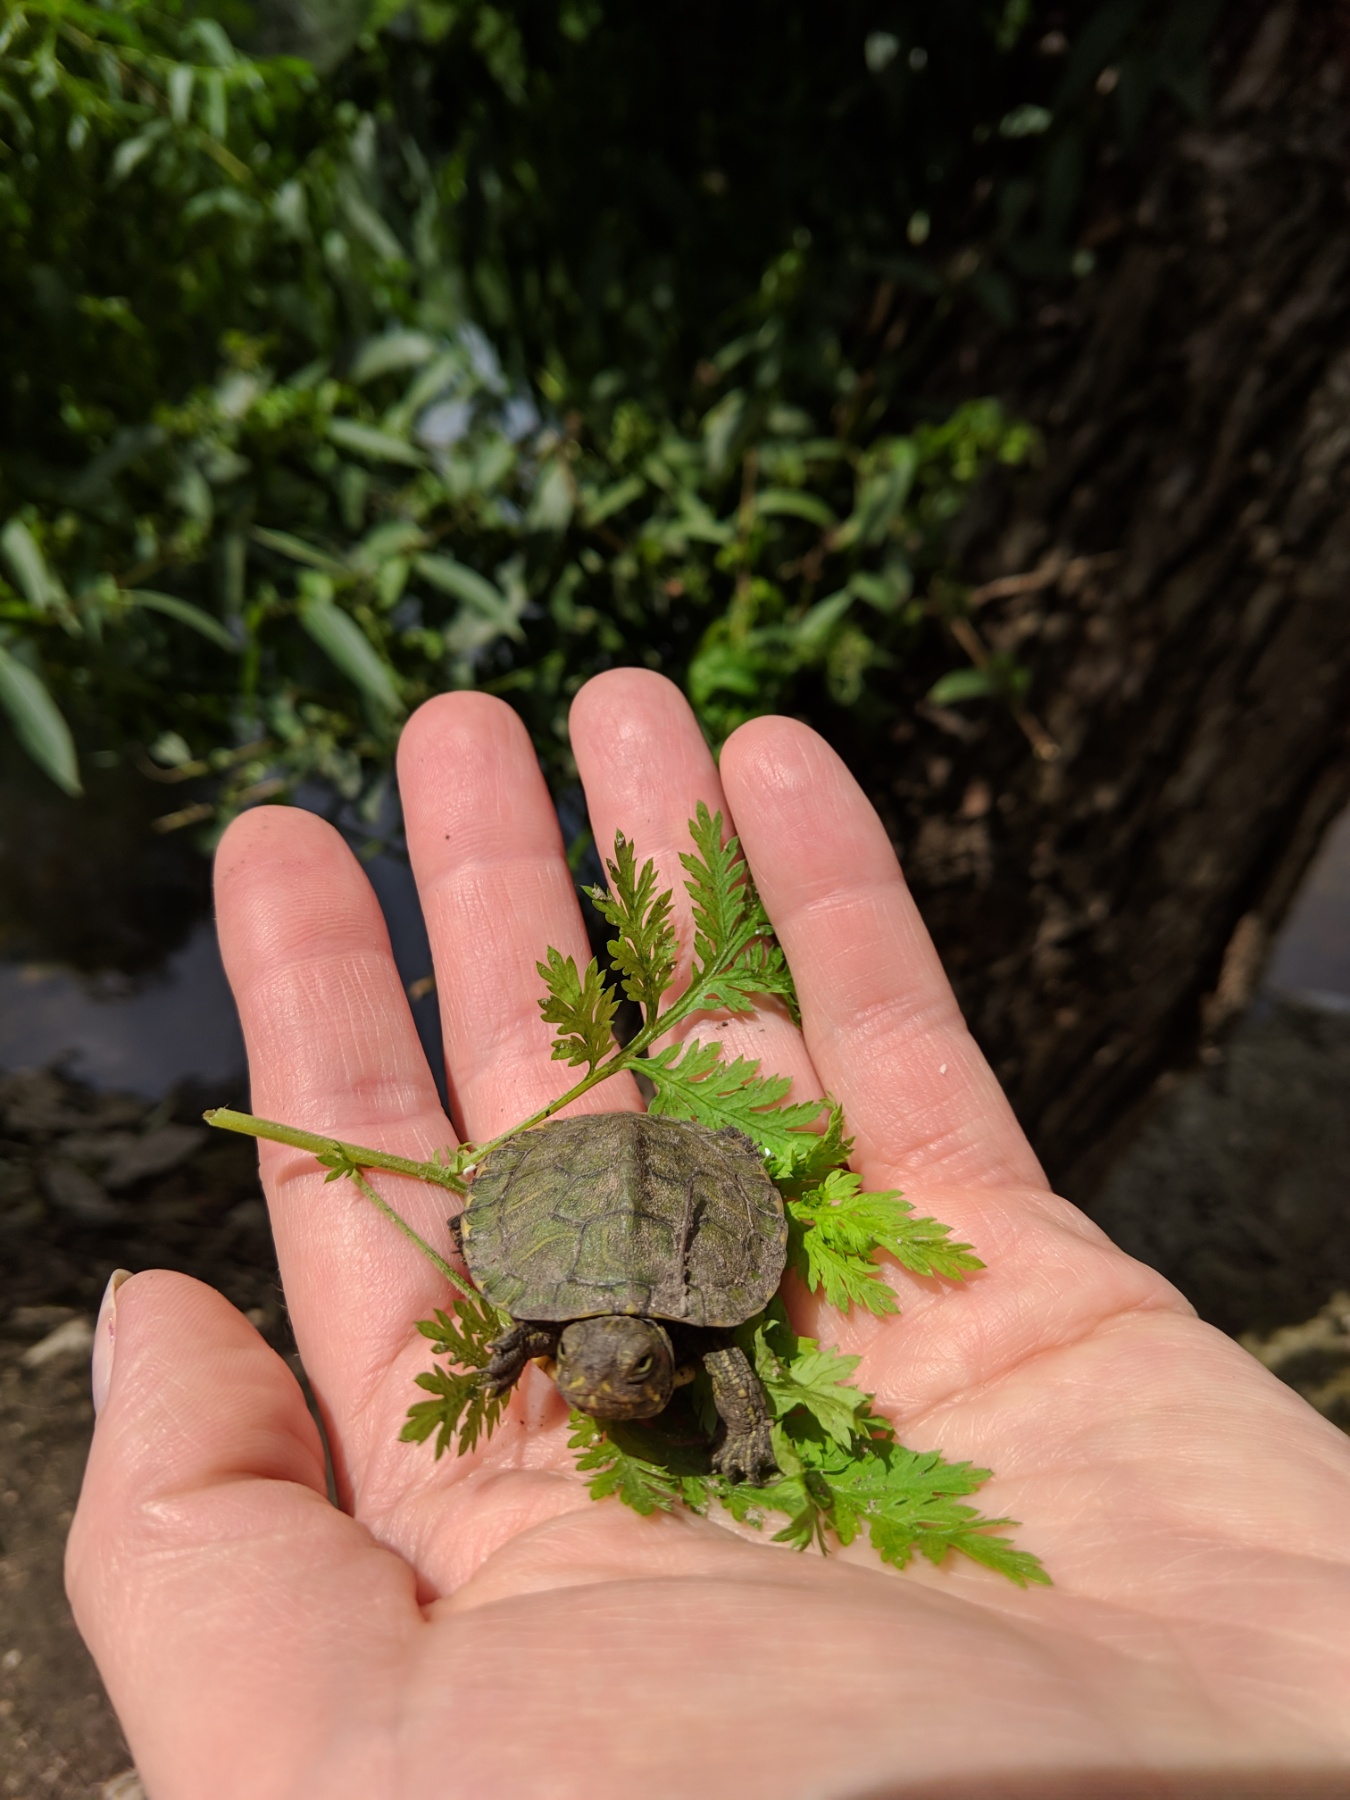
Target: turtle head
x=615 y=1367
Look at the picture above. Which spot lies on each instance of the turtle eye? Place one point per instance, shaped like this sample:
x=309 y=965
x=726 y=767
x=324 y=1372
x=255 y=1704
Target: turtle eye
x=643 y=1366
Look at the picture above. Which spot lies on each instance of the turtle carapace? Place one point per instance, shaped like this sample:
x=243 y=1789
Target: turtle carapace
x=625 y=1246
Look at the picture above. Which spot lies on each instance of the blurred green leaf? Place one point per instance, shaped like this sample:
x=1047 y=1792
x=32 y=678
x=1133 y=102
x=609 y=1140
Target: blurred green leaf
x=22 y=552
x=791 y=504
x=553 y=501
x=392 y=351
x=37 y=723
x=1025 y=121
x=475 y=590
x=962 y=684
x=186 y=614
x=613 y=500
x=347 y=647
x=299 y=551
x=816 y=624
x=379 y=446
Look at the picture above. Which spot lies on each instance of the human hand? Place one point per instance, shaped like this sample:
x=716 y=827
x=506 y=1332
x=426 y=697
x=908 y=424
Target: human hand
x=480 y=1627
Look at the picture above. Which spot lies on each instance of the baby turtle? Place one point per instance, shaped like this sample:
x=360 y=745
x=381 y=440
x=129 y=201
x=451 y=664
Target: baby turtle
x=625 y=1247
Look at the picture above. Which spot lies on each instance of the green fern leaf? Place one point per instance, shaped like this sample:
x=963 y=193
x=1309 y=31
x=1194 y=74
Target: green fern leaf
x=718 y=884
x=581 y=1008
x=644 y=949
x=835 y=1229
x=692 y=1081
x=906 y=1500
x=459 y=1412
x=760 y=972
x=811 y=1158
x=736 y=961
x=846 y=1278
x=635 y=1474
x=818 y=1381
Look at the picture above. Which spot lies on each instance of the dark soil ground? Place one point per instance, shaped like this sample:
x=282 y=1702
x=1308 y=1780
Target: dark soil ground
x=1234 y=1189
x=89 y=1183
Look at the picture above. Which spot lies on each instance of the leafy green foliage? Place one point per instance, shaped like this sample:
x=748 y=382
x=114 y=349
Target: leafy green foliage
x=459 y=1412
x=643 y=1469
x=644 y=950
x=842 y=1470
x=813 y=1378
x=906 y=1501
x=694 y=1081
x=835 y=1230
x=810 y=1158
x=582 y=1009
x=737 y=961
x=736 y=965
x=531 y=411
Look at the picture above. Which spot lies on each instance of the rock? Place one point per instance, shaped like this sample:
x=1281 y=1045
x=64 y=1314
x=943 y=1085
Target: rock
x=16 y=1183
x=74 y=1339
x=1313 y=1358
x=37 y=1103
x=76 y=1194
x=37 y=1321
x=107 y=1111
x=154 y=1154
x=97 y=1148
x=126 y=1786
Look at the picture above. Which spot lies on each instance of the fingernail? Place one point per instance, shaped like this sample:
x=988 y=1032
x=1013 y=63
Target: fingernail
x=101 y=1362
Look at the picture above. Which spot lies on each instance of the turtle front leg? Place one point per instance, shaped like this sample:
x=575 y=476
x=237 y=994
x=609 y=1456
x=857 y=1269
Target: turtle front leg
x=512 y=1351
x=746 y=1450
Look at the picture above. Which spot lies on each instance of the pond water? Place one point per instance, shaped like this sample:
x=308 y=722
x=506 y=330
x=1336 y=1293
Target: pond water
x=82 y=911
x=148 y=1033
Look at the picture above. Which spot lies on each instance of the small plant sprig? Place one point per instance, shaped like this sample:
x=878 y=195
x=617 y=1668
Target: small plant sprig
x=735 y=963
x=459 y=1412
x=835 y=1230
x=841 y=1470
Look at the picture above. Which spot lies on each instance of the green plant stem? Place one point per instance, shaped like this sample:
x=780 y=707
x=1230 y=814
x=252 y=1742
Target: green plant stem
x=329 y=1148
x=334 y=1153
x=433 y=1256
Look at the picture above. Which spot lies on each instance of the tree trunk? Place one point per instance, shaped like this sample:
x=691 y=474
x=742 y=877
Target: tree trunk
x=1105 y=906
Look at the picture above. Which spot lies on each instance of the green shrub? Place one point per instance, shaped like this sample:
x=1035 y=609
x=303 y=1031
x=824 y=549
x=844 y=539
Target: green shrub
x=524 y=343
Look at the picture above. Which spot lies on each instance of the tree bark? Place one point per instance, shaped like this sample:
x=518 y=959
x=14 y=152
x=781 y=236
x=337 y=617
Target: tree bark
x=1105 y=907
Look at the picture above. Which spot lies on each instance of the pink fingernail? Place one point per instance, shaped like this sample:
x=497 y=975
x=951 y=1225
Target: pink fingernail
x=101 y=1362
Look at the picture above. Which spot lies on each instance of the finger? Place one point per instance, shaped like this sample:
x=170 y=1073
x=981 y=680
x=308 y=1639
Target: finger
x=332 y=1048
x=645 y=767
x=239 y=1621
x=879 y=1016
x=928 y=1116
x=496 y=893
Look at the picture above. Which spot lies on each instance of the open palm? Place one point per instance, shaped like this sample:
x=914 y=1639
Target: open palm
x=480 y=1627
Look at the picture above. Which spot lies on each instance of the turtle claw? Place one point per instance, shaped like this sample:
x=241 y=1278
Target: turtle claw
x=747 y=1456
x=509 y=1355
x=496 y=1383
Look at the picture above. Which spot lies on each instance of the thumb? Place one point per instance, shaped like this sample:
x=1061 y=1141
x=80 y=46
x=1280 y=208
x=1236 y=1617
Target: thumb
x=235 y=1615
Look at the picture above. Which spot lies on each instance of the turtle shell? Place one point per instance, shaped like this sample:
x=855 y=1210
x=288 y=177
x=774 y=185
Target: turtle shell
x=626 y=1213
